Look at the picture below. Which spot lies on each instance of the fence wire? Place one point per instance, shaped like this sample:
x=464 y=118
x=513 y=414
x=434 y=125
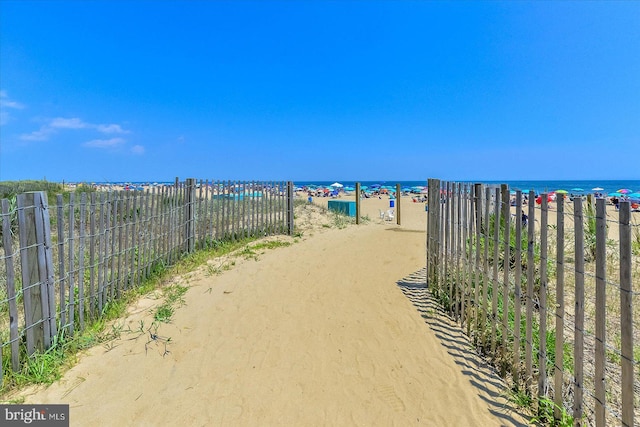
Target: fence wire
x=471 y=267
x=98 y=245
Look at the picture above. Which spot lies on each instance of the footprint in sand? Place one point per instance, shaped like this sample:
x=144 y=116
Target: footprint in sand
x=366 y=368
x=234 y=410
x=226 y=410
x=389 y=395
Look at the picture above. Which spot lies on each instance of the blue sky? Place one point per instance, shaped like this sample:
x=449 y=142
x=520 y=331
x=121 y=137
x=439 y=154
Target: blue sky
x=319 y=90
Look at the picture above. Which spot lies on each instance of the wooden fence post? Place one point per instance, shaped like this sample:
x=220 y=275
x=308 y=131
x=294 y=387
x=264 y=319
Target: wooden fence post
x=61 y=266
x=442 y=238
x=433 y=235
x=542 y=298
x=578 y=340
x=133 y=271
x=357 y=203
x=495 y=282
x=626 y=314
x=398 y=199
x=472 y=298
x=517 y=297
x=190 y=214
x=290 y=219
x=484 y=230
x=559 y=353
x=506 y=215
x=429 y=259
x=11 y=290
x=233 y=211
x=476 y=218
x=528 y=349
x=466 y=283
x=601 y=308
x=81 y=252
x=447 y=253
x=243 y=210
x=36 y=272
x=92 y=254
x=71 y=256
x=460 y=291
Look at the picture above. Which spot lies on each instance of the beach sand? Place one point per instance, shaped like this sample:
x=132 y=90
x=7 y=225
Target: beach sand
x=335 y=329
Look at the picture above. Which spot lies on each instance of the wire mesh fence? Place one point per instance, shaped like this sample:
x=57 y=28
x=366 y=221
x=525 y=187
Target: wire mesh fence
x=63 y=262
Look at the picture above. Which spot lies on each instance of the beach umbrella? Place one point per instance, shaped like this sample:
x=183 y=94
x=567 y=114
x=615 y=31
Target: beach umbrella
x=597 y=189
x=624 y=191
x=551 y=197
x=577 y=190
x=562 y=191
x=337 y=185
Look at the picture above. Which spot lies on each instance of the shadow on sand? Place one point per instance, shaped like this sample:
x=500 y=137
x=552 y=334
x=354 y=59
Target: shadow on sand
x=459 y=346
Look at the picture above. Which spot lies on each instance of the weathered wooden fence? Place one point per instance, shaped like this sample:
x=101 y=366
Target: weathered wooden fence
x=547 y=298
x=72 y=259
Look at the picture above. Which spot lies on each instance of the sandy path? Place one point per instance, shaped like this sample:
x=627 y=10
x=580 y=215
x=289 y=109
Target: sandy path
x=327 y=331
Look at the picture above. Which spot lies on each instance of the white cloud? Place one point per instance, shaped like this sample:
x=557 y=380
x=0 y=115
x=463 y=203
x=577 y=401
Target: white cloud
x=112 y=128
x=104 y=143
x=6 y=103
x=74 y=123
x=38 y=135
x=137 y=149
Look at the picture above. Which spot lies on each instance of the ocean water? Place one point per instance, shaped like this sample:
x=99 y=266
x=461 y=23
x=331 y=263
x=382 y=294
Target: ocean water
x=609 y=186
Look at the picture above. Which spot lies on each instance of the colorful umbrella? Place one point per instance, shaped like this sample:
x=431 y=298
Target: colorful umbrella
x=550 y=198
x=623 y=191
x=562 y=191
